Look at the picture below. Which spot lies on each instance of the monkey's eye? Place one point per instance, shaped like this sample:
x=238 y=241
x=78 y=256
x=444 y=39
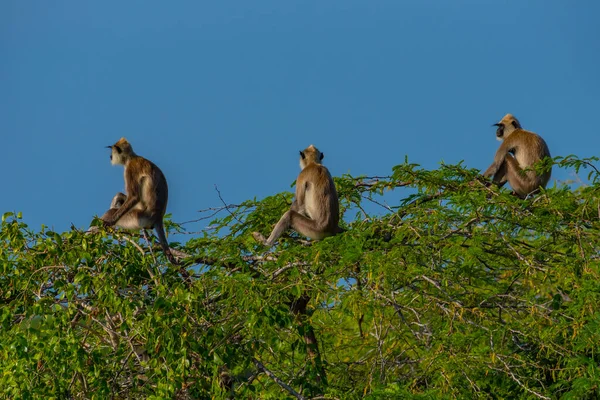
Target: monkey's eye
x=322 y=155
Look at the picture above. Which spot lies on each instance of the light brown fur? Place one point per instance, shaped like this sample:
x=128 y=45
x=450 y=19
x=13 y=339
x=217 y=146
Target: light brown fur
x=527 y=148
x=315 y=210
x=147 y=195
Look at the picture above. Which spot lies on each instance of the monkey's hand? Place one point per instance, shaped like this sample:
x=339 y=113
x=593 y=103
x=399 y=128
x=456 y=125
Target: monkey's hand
x=107 y=224
x=259 y=238
x=480 y=180
x=489 y=172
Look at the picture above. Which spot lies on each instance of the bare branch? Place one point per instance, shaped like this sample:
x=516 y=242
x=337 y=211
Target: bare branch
x=271 y=375
x=226 y=206
x=514 y=378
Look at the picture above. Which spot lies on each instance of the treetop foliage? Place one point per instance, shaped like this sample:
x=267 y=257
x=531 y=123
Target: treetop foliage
x=461 y=290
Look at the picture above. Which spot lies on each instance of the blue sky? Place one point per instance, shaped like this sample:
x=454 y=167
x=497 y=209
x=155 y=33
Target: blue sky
x=226 y=93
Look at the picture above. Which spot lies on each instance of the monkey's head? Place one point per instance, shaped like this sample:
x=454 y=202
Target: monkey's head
x=310 y=155
x=120 y=152
x=506 y=126
x=118 y=200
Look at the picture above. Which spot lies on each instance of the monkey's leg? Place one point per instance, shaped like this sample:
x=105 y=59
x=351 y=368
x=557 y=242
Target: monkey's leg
x=259 y=238
x=300 y=223
x=282 y=225
x=134 y=219
x=108 y=214
x=523 y=183
x=308 y=227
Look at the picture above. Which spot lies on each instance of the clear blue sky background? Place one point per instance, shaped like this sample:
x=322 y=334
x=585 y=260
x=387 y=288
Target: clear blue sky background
x=226 y=93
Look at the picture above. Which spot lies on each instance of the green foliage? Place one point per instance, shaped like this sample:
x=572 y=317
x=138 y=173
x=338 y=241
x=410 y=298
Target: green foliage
x=460 y=290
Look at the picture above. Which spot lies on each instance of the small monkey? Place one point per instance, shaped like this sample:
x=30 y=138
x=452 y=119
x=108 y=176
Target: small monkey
x=315 y=210
x=520 y=149
x=145 y=204
x=116 y=202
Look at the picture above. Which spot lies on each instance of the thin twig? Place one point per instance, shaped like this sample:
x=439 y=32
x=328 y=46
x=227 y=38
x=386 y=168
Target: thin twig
x=281 y=383
x=226 y=206
x=215 y=211
x=514 y=378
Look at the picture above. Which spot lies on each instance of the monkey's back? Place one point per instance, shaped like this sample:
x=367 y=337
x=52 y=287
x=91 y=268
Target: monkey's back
x=153 y=188
x=320 y=197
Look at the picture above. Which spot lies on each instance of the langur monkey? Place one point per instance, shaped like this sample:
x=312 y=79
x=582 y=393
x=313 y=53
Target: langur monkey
x=147 y=193
x=520 y=149
x=116 y=202
x=315 y=210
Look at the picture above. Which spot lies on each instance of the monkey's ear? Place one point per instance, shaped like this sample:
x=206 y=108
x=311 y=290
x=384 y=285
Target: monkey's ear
x=515 y=124
x=302 y=155
x=118 y=149
x=322 y=155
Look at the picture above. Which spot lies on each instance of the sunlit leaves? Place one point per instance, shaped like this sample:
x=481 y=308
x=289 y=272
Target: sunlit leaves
x=456 y=290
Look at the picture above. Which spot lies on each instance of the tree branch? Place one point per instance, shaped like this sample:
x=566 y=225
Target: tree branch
x=271 y=375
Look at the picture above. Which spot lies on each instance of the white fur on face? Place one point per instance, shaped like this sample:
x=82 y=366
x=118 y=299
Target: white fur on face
x=116 y=158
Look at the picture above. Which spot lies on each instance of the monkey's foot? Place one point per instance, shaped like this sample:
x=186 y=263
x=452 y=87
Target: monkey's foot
x=92 y=229
x=259 y=238
x=108 y=225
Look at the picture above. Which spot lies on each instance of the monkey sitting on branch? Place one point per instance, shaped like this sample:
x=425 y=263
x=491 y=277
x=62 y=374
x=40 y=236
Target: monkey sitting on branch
x=520 y=150
x=116 y=202
x=315 y=210
x=145 y=204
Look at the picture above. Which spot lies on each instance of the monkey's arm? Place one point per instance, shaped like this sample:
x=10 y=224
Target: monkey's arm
x=298 y=203
x=498 y=159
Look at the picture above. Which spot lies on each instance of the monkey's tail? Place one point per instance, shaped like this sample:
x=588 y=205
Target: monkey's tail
x=162 y=238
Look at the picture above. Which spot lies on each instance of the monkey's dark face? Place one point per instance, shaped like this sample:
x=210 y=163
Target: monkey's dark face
x=506 y=126
x=499 y=131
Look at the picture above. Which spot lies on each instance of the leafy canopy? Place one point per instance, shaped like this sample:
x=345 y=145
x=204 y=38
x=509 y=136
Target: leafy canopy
x=460 y=290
